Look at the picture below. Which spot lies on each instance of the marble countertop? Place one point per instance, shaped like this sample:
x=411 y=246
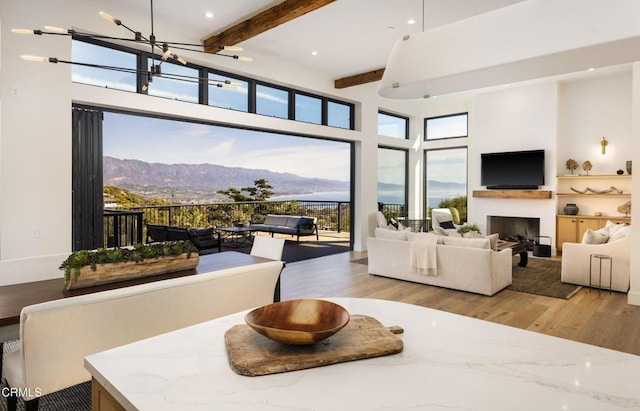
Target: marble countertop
x=449 y=362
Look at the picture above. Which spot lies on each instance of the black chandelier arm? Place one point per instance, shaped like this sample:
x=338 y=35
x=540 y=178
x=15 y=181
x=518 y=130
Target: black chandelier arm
x=169 y=76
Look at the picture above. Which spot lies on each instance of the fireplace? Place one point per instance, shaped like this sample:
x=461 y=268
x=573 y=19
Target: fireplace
x=514 y=228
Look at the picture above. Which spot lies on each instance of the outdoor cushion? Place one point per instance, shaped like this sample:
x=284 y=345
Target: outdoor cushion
x=271 y=219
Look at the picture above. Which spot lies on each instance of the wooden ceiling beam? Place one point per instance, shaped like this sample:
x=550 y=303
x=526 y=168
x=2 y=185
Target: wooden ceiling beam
x=358 y=79
x=261 y=22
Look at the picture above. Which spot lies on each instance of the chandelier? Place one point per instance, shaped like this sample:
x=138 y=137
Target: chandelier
x=167 y=49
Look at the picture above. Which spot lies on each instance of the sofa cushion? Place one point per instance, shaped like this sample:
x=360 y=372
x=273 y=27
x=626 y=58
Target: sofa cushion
x=292 y=221
x=272 y=219
x=467 y=242
x=614 y=227
x=620 y=233
x=392 y=234
x=595 y=236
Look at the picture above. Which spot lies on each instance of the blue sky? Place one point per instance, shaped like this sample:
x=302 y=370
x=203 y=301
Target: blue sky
x=172 y=142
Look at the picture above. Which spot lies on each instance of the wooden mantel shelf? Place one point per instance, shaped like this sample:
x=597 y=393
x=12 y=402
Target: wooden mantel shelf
x=530 y=194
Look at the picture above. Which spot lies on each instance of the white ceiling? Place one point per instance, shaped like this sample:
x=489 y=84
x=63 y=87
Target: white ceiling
x=350 y=36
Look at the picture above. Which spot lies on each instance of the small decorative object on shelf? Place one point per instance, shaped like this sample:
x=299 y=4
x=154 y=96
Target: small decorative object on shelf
x=586 y=166
x=629 y=167
x=571 y=165
x=625 y=208
x=571 y=209
x=620 y=172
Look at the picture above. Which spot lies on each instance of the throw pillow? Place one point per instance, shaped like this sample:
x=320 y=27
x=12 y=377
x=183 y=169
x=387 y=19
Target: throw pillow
x=455 y=215
x=447 y=224
x=391 y=234
x=614 y=227
x=467 y=242
x=493 y=241
x=594 y=237
x=620 y=233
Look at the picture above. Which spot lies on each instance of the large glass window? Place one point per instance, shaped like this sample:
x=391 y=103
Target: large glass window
x=172 y=85
x=446 y=179
x=234 y=96
x=83 y=52
x=271 y=101
x=392 y=125
x=451 y=126
x=117 y=67
x=392 y=180
x=339 y=115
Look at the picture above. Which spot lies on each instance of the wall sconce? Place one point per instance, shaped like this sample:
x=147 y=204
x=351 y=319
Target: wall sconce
x=604 y=143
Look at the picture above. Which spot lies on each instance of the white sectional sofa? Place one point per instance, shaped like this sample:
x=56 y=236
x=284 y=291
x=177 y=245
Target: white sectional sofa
x=465 y=268
x=55 y=336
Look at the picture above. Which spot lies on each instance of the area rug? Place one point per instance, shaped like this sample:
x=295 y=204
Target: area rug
x=76 y=398
x=542 y=277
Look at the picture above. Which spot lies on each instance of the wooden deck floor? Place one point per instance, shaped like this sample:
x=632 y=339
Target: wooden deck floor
x=606 y=321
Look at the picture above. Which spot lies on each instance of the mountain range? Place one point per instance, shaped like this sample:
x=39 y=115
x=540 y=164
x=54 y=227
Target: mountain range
x=199 y=182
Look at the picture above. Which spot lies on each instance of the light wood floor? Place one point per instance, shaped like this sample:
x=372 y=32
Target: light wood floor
x=606 y=321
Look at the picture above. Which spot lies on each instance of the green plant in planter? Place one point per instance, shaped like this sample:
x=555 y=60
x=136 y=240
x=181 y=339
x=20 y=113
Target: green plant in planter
x=137 y=253
x=468 y=227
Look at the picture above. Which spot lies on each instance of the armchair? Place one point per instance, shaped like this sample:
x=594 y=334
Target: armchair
x=442 y=215
x=576 y=260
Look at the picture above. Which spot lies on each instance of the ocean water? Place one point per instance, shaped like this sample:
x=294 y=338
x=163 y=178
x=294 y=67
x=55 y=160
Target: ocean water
x=387 y=197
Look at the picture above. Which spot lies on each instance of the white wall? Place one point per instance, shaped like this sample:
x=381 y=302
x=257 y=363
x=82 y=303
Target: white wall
x=513 y=119
x=591 y=109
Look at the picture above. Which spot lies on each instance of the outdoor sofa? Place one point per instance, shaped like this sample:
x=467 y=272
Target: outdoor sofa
x=288 y=224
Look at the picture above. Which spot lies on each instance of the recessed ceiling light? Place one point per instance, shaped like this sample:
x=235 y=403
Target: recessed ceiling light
x=391 y=28
x=411 y=21
x=314 y=53
x=208 y=15
x=590 y=69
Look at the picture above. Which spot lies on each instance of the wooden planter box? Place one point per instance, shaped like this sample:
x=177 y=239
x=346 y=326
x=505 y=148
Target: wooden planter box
x=107 y=273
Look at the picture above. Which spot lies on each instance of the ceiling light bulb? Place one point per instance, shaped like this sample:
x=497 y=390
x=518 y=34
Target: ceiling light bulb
x=166 y=55
x=110 y=18
x=208 y=15
x=232 y=48
x=55 y=29
x=590 y=69
x=242 y=58
x=180 y=59
x=411 y=21
x=22 y=31
x=29 y=57
x=314 y=53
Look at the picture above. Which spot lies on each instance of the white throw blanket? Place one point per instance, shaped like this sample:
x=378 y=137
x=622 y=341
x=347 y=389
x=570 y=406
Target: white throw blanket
x=423 y=255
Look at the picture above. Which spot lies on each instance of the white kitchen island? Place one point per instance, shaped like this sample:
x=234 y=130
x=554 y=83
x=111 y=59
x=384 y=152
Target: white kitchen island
x=449 y=362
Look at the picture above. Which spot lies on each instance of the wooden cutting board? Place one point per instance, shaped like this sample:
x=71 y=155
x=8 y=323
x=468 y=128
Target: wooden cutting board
x=253 y=354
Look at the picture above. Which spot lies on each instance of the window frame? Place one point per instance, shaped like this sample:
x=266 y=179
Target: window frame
x=427 y=119
x=406 y=121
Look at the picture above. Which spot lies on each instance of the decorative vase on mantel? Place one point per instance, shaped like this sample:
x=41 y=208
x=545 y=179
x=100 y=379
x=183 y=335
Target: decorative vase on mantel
x=571 y=209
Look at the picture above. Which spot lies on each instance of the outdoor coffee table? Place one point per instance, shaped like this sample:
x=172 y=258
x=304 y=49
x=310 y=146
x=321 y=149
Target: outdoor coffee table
x=237 y=236
x=516 y=248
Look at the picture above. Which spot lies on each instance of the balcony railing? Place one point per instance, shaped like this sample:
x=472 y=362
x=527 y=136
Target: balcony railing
x=331 y=215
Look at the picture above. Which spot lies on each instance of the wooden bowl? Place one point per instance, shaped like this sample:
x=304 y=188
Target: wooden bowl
x=298 y=322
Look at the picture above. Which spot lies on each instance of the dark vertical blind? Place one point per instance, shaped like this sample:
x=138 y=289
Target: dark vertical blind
x=88 y=227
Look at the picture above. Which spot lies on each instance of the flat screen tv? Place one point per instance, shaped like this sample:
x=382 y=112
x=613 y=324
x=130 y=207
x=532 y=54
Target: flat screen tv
x=513 y=170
